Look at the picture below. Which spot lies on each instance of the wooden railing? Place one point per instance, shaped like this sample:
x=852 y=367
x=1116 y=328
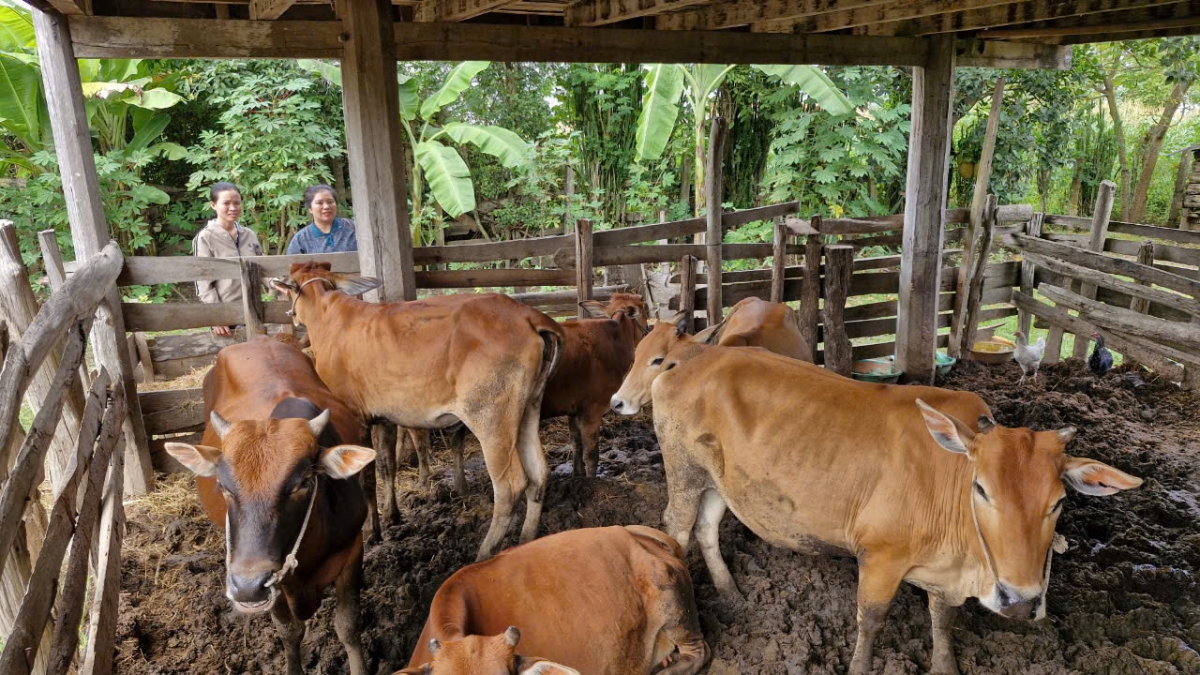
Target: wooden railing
x=86 y=509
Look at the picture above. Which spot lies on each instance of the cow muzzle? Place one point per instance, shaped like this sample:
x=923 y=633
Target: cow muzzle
x=249 y=589
x=624 y=407
x=1014 y=604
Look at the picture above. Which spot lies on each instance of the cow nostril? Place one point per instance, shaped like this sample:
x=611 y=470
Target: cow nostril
x=249 y=588
x=1005 y=598
x=617 y=404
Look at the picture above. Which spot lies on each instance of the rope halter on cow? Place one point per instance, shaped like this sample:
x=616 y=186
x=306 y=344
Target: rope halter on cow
x=292 y=312
x=290 y=562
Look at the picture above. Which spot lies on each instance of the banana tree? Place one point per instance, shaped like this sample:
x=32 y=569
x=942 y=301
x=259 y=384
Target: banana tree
x=437 y=164
x=666 y=83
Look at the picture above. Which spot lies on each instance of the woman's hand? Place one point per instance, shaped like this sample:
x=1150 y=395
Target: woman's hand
x=222 y=331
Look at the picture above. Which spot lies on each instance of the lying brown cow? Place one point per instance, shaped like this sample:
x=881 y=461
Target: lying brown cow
x=273 y=474
x=601 y=601
x=754 y=322
x=918 y=483
x=479 y=360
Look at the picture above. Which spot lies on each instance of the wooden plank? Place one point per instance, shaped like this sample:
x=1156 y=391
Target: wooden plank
x=839 y=260
x=52 y=259
x=600 y=12
x=1124 y=321
x=1010 y=14
x=810 y=292
x=1137 y=17
x=252 y=302
x=876 y=13
x=496 y=250
x=714 y=188
x=172 y=410
x=1138 y=304
x=1136 y=229
x=583 y=267
x=745 y=12
x=456 y=10
x=1144 y=292
x=1098 y=232
x=687 y=291
x=494 y=278
x=85 y=212
x=184 y=315
x=973 y=289
x=924 y=209
x=103 y=37
x=269 y=10
x=172 y=347
x=779 y=260
x=1028 y=270
x=370 y=98
x=102 y=618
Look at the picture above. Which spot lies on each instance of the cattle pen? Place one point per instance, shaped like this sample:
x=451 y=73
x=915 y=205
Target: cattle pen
x=98 y=440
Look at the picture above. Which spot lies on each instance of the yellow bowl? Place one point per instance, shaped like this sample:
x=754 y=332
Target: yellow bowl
x=991 y=351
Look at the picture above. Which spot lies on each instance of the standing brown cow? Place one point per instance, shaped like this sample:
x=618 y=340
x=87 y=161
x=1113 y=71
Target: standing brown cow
x=273 y=474
x=478 y=360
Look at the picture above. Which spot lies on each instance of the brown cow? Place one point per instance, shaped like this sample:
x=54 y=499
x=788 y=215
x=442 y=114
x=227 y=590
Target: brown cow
x=600 y=601
x=754 y=322
x=890 y=474
x=479 y=360
x=273 y=474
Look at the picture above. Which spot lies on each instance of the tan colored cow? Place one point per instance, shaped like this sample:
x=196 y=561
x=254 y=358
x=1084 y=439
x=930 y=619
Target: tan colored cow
x=598 y=601
x=479 y=360
x=754 y=322
x=918 y=483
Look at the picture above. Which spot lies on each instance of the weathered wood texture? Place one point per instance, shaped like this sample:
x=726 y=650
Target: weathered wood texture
x=1104 y=263
x=1099 y=232
x=1141 y=292
x=978 y=248
x=583 y=267
x=89 y=230
x=598 y=12
x=99 y=659
x=839 y=261
x=810 y=296
x=1025 y=319
x=1124 y=321
x=1145 y=257
x=778 y=260
x=924 y=207
x=687 y=291
x=252 y=302
x=714 y=189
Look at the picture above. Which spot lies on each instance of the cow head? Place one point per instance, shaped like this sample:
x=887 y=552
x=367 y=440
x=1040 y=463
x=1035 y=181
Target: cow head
x=479 y=655
x=320 y=274
x=269 y=472
x=649 y=361
x=620 y=307
x=1016 y=495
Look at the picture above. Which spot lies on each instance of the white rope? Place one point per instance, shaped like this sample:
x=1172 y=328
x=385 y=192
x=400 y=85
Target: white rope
x=291 y=562
x=292 y=311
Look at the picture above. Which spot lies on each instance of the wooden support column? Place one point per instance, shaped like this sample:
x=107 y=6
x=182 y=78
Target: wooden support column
x=1028 y=270
x=924 y=212
x=687 y=291
x=983 y=174
x=89 y=230
x=252 y=303
x=1099 y=231
x=583 y=264
x=370 y=97
x=778 y=260
x=714 y=192
x=839 y=266
x=810 y=290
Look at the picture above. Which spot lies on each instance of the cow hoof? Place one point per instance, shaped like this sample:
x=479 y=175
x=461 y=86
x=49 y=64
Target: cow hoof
x=944 y=664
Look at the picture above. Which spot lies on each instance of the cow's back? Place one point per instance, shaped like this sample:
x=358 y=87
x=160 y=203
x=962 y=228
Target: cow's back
x=754 y=322
x=595 y=358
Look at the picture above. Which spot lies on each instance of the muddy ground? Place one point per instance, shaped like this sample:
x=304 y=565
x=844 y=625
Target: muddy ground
x=1123 y=599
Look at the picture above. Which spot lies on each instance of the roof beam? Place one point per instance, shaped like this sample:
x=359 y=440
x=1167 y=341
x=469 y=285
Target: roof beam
x=1019 y=13
x=1090 y=25
x=746 y=12
x=873 y=14
x=598 y=12
x=72 y=7
x=456 y=10
x=268 y=10
x=1131 y=35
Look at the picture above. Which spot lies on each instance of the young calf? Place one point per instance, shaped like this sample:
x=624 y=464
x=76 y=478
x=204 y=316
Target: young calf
x=274 y=475
x=600 y=601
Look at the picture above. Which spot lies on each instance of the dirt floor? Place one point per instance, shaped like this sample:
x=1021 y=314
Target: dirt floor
x=1123 y=599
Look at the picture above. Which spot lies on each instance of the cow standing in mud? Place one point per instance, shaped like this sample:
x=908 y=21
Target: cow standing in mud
x=274 y=475
x=919 y=484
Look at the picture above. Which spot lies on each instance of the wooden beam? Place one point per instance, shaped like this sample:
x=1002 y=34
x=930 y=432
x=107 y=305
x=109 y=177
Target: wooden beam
x=268 y=10
x=714 y=196
x=72 y=7
x=1114 y=23
x=924 y=212
x=839 y=262
x=598 y=12
x=100 y=37
x=1021 y=55
x=583 y=265
x=1139 y=34
x=89 y=230
x=1024 y=12
x=746 y=12
x=875 y=13
x=456 y=10
x=370 y=98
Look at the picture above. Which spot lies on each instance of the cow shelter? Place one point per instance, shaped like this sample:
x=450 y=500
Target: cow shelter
x=104 y=437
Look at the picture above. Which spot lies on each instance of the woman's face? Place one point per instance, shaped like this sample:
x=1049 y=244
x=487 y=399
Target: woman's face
x=323 y=207
x=228 y=206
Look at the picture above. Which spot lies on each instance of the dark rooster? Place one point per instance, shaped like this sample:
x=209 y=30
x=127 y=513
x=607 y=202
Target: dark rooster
x=1101 y=359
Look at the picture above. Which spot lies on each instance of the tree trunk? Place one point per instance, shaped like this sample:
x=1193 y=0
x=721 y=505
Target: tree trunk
x=1076 y=190
x=1151 y=146
x=1110 y=94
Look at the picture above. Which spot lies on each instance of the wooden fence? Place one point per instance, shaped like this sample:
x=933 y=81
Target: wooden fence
x=44 y=605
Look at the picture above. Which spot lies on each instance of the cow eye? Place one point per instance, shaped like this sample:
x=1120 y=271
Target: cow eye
x=981 y=492
x=657 y=362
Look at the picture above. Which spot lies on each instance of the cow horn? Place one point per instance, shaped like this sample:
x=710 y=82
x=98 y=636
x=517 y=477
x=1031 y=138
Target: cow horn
x=985 y=424
x=512 y=636
x=220 y=424
x=317 y=424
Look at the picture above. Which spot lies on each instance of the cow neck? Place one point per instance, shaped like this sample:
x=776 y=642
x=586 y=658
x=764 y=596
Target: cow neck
x=300 y=291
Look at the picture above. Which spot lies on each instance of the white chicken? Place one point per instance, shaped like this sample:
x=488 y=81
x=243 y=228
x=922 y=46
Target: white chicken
x=1029 y=356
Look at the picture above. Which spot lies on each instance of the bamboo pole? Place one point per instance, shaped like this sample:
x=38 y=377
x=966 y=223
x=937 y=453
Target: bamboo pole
x=714 y=193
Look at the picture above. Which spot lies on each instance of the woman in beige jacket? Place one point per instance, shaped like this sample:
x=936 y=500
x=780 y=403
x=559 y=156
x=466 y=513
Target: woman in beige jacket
x=223 y=237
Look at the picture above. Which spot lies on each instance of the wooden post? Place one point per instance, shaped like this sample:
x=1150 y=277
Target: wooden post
x=778 y=260
x=56 y=273
x=18 y=306
x=252 y=304
x=687 y=291
x=1100 y=218
x=89 y=231
x=965 y=338
x=839 y=265
x=583 y=263
x=924 y=212
x=1181 y=181
x=1145 y=256
x=714 y=193
x=102 y=617
x=370 y=97
x=569 y=192
x=1028 y=270
x=979 y=198
x=810 y=291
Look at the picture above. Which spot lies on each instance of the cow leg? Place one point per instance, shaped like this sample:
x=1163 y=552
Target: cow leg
x=345 y=620
x=420 y=442
x=291 y=631
x=383 y=439
x=508 y=481
x=589 y=445
x=708 y=526
x=458 y=439
x=942 y=616
x=577 y=468
x=877 y=584
x=371 y=524
x=537 y=471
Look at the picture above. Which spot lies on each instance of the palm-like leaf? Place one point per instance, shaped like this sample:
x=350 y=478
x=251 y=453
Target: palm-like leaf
x=330 y=72
x=814 y=82
x=660 y=108
x=498 y=142
x=16 y=31
x=456 y=83
x=409 y=97
x=708 y=78
x=448 y=177
x=20 y=98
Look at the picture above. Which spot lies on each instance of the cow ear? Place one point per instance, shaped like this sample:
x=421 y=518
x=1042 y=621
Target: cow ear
x=1097 y=478
x=534 y=666
x=594 y=309
x=285 y=286
x=949 y=432
x=355 y=285
x=710 y=335
x=343 y=461
x=199 y=459
x=680 y=323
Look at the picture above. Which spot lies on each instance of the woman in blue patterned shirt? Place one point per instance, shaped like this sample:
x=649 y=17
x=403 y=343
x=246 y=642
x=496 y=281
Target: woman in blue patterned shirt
x=326 y=233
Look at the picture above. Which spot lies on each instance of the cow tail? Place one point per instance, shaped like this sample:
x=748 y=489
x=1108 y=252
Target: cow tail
x=551 y=351
x=662 y=539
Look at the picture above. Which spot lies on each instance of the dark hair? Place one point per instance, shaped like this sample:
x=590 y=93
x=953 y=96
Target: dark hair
x=219 y=187
x=311 y=193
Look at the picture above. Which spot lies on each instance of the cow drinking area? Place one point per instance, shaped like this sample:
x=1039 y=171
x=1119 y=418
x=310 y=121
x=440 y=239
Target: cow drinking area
x=1123 y=599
